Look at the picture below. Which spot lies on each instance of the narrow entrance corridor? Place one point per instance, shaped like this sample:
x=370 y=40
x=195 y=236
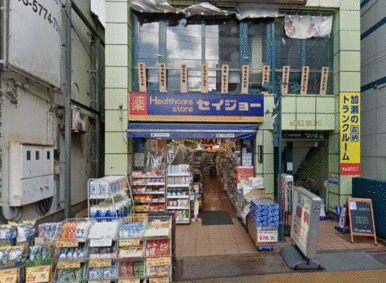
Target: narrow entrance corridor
x=206 y=240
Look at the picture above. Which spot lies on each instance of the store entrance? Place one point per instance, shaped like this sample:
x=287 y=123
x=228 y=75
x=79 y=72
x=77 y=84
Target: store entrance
x=213 y=165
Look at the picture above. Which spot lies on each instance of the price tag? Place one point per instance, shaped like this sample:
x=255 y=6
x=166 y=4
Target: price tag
x=129 y=242
x=68 y=264
x=159 y=280
x=100 y=262
x=101 y=243
x=67 y=243
x=9 y=275
x=38 y=274
x=164 y=261
x=137 y=280
x=152 y=262
x=101 y=281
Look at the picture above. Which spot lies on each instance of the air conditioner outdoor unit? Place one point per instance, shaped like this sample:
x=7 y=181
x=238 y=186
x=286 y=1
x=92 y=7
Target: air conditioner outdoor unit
x=79 y=120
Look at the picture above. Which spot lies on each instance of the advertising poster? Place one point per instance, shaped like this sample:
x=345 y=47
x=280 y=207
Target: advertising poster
x=243 y=174
x=301 y=220
x=350 y=149
x=196 y=107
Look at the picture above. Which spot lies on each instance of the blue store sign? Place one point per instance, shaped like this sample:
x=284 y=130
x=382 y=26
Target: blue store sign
x=196 y=107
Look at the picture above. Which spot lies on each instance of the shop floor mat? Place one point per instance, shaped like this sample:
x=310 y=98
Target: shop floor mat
x=348 y=261
x=209 y=267
x=216 y=218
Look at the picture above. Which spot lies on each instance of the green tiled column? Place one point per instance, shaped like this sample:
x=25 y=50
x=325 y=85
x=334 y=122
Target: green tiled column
x=346 y=79
x=118 y=72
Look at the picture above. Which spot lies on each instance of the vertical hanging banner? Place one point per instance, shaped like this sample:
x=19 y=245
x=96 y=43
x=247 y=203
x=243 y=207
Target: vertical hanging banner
x=265 y=76
x=142 y=77
x=323 y=81
x=350 y=150
x=245 y=79
x=285 y=80
x=162 y=77
x=305 y=75
x=204 y=78
x=224 y=79
x=184 y=78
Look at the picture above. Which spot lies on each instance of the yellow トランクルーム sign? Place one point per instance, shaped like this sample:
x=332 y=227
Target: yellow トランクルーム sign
x=350 y=149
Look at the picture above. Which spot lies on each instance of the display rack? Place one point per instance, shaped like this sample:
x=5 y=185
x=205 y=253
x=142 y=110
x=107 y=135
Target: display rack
x=179 y=184
x=148 y=193
x=145 y=249
x=109 y=197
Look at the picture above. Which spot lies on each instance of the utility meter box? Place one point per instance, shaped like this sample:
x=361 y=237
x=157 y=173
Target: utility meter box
x=31 y=173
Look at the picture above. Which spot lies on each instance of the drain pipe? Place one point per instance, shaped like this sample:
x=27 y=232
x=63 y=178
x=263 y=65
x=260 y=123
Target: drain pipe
x=5 y=9
x=97 y=97
x=68 y=113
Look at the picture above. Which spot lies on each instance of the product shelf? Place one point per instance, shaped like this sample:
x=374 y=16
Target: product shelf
x=150 y=210
x=148 y=201
x=178 y=207
x=179 y=175
x=178 y=185
x=148 y=193
x=177 y=197
x=148 y=177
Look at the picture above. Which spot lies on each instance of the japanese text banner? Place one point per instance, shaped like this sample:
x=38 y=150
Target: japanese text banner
x=196 y=107
x=350 y=150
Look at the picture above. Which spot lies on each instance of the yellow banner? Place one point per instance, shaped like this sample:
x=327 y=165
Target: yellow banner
x=9 y=275
x=350 y=150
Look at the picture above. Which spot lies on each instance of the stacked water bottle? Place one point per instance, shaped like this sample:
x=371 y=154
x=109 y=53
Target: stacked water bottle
x=110 y=211
x=265 y=213
x=107 y=186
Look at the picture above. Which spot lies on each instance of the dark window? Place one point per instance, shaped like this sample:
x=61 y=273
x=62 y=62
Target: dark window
x=28 y=155
x=48 y=155
x=37 y=155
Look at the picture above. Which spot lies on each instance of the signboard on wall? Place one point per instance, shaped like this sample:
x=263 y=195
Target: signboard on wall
x=350 y=149
x=35 y=41
x=305 y=221
x=196 y=107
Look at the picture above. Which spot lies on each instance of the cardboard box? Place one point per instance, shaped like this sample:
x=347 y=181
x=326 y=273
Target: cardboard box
x=256 y=194
x=262 y=236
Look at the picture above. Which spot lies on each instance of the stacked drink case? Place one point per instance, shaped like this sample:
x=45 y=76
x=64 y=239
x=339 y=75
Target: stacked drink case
x=104 y=187
x=265 y=213
x=110 y=210
x=178 y=169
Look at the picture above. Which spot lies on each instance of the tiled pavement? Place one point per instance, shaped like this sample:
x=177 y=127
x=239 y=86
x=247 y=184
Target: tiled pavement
x=196 y=240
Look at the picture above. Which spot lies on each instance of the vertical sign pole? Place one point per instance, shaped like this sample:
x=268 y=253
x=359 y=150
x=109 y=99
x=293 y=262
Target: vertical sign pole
x=285 y=79
x=324 y=81
x=142 y=77
x=245 y=80
x=304 y=80
x=204 y=78
x=162 y=77
x=224 y=79
x=265 y=76
x=281 y=226
x=184 y=78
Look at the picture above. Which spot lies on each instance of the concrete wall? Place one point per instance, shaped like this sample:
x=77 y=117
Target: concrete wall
x=374 y=90
x=33 y=119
